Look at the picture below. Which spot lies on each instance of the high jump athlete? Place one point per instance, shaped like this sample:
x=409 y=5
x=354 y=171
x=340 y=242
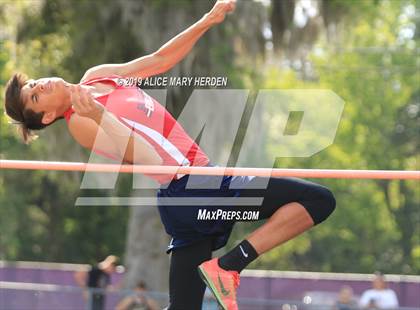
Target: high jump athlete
x=102 y=114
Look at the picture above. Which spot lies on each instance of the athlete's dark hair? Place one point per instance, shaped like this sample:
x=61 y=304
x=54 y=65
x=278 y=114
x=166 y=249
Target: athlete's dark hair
x=26 y=119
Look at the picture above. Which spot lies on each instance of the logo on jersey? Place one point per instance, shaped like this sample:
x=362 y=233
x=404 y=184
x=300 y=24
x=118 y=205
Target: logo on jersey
x=147 y=106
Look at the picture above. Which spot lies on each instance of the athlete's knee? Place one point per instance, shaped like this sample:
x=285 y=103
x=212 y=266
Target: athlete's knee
x=329 y=202
x=320 y=204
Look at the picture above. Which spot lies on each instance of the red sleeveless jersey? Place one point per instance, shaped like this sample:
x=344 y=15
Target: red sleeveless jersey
x=148 y=118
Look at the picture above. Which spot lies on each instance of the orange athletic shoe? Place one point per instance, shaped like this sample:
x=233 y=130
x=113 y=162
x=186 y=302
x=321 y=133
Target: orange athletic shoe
x=222 y=283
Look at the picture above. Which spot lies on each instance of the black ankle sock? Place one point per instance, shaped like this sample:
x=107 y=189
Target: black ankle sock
x=239 y=257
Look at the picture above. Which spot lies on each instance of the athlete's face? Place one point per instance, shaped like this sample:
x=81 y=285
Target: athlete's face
x=47 y=95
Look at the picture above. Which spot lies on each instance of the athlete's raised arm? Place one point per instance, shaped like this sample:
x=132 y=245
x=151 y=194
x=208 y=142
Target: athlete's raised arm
x=170 y=53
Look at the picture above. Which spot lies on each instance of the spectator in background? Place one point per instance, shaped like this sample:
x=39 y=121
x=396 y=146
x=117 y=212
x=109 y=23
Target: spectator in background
x=97 y=280
x=345 y=299
x=380 y=296
x=139 y=300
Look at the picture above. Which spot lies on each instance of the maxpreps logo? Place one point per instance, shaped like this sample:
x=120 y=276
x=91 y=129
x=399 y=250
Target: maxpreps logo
x=147 y=106
x=319 y=113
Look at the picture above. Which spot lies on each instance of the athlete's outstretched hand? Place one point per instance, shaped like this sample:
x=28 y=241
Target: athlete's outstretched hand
x=219 y=10
x=84 y=104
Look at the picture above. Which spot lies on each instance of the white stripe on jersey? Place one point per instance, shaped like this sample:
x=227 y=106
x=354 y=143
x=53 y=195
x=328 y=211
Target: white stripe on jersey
x=161 y=141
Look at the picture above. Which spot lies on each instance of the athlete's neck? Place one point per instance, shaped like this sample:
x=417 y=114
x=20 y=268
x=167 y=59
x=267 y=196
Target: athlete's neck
x=67 y=103
x=96 y=90
x=99 y=89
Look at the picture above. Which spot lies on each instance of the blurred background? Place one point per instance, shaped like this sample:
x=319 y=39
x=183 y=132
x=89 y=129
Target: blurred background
x=366 y=51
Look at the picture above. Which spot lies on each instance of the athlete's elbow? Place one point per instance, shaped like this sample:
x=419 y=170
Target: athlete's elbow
x=150 y=159
x=156 y=161
x=143 y=160
x=165 y=63
x=154 y=157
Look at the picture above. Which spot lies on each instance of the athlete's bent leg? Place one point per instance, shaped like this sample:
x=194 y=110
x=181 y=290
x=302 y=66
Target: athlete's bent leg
x=316 y=204
x=286 y=223
x=186 y=290
x=292 y=206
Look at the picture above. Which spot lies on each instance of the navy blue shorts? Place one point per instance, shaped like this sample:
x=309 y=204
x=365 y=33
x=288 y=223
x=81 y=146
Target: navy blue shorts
x=183 y=201
x=180 y=217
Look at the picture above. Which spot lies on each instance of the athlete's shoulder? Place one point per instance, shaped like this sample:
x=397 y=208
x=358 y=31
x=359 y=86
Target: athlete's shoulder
x=101 y=71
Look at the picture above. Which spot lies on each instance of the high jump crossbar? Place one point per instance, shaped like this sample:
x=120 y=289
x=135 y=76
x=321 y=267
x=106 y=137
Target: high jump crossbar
x=195 y=170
